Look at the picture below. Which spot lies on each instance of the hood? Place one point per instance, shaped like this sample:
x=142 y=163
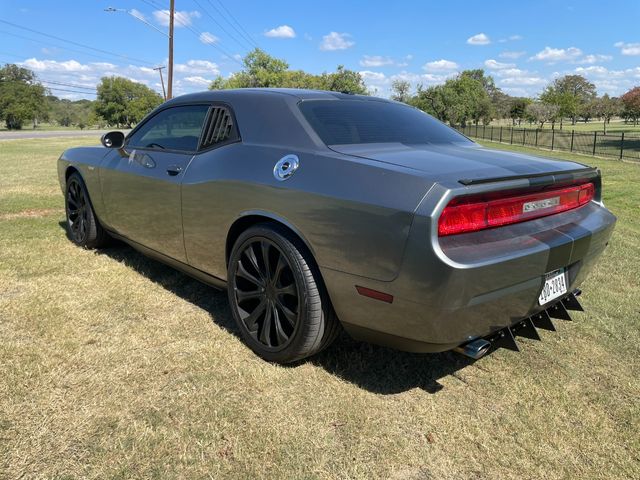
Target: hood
x=454 y=162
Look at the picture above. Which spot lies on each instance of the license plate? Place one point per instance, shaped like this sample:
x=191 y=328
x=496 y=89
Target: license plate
x=555 y=285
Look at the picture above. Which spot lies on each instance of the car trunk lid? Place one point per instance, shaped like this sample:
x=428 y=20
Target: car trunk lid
x=465 y=163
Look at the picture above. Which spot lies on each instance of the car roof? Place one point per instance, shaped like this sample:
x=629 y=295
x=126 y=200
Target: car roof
x=297 y=93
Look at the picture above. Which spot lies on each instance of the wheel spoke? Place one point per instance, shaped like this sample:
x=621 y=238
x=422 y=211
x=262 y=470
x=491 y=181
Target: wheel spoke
x=250 y=320
x=265 y=334
x=243 y=295
x=287 y=290
x=264 y=248
x=251 y=255
x=289 y=316
x=243 y=273
x=282 y=263
x=280 y=335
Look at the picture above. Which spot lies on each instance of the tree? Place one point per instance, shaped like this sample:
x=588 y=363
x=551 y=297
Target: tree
x=401 y=91
x=518 y=109
x=263 y=70
x=22 y=98
x=542 y=112
x=606 y=108
x=631 y=103
x=124 y=102
x=570 y=93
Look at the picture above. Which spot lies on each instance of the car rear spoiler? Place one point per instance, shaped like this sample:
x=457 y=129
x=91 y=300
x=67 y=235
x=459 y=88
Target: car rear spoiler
x=545 y=178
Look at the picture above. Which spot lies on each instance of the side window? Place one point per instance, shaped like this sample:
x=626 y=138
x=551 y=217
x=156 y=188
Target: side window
x=220 y=128
x=176 y=128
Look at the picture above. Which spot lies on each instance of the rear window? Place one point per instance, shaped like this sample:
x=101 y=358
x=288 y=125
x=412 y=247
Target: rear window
x=342 y=122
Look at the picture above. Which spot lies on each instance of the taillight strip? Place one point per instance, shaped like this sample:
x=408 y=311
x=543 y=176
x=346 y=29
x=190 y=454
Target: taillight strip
x=468 y=215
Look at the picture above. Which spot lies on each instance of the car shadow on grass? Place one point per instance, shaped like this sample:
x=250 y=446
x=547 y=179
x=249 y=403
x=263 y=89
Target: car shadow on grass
x=373 y=368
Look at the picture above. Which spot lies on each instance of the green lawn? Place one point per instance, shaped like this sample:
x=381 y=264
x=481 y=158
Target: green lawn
x=615 y=126
x=114 y=366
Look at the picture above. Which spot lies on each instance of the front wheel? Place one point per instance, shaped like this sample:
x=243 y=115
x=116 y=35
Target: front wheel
x=276 y=296
x=82 y=224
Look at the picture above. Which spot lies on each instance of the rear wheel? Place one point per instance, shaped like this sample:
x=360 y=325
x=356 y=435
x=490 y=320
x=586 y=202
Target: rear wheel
x=82 y=224
x=276 y=296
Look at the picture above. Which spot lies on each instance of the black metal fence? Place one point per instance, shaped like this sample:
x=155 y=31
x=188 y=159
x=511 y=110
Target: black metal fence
x=623 y=146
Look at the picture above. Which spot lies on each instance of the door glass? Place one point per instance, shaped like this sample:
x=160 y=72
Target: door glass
x=176 y=128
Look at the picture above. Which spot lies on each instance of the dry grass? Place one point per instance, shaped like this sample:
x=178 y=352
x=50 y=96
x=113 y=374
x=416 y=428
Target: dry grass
x=114 y=366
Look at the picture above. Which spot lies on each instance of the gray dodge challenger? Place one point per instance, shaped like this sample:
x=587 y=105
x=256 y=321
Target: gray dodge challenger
x=321 y=210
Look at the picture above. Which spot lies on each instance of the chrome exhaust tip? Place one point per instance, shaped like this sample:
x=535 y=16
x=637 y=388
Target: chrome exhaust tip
x=475 y=349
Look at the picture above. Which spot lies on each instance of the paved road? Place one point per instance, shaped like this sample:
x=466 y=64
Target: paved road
x=53 y=133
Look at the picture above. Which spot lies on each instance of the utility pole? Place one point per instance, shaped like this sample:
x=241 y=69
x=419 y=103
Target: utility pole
x=164 y=94
x=170 y=71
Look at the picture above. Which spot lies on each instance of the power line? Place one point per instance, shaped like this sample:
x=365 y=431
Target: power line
x=75 y=43
x=248 y=35
x=64 y=84
x=198 y=33
x=219 y=24
x=71 y=91
x=57 y=46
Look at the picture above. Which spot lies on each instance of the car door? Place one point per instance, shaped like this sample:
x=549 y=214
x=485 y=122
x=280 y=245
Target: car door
x=141 y=181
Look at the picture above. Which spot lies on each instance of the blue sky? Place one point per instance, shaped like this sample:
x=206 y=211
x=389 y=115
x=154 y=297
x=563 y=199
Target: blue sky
x=523 y=45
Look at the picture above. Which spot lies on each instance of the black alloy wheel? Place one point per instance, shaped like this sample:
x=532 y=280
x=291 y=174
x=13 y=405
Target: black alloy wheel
x=77 y=208
x=277 y=296
x=82 y=224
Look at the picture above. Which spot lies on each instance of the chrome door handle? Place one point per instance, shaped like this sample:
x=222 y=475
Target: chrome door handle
x=174 y=170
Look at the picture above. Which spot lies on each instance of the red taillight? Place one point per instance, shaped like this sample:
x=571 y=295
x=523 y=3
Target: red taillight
x=471 y=214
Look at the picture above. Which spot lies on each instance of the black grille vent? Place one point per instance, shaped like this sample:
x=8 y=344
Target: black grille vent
x=219 y=128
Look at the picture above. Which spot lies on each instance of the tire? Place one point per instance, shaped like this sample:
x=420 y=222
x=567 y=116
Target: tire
x=83 y=226
x=279 y=305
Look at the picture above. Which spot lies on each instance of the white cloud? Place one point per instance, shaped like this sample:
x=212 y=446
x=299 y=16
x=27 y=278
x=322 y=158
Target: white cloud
x=552 y=55
x=182 y=18
x=373 y=77
x=495 y=65
x=336 y=41
x=511 y=55
x=479 y=39
x=55 y=66
x=138 y=14
x=628 y=48
x=591 y=59
x=197 y=67
x=375 y=61
x=208 y=38
x=283 y=31
x=528 y=81
x=438 y=65
x=511 y=38
x=197 y=80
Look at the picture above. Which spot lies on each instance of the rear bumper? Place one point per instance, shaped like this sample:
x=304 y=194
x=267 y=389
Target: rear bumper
x=457 y=288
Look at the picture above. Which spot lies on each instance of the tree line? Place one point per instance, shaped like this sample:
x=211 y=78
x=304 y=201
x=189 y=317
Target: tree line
x=470 y=97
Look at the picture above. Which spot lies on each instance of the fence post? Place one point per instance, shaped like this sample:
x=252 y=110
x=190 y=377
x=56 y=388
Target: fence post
x=595 y=138
x=491 y=133
x=476 y=130
x=553 y=137
x=524 y=136
x=573 y=132
x=500 y=134
x=621 y=145
x=536 y=137
x=511 y=135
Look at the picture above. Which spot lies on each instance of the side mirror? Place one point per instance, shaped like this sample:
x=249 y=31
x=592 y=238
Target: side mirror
x=113 y=140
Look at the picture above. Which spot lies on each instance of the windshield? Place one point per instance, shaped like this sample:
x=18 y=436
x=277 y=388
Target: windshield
x=343 y=122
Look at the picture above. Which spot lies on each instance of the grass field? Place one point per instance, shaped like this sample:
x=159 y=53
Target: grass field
x=615 y=126
x=114 y=366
